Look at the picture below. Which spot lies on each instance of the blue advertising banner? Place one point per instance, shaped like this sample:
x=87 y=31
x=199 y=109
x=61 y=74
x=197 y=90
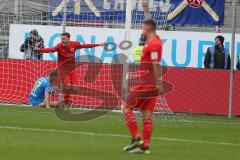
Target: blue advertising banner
x=101 y=10
x=89 y=10
x=196 y=12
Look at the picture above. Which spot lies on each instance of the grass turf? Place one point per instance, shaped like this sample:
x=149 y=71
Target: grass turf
x=27 y=133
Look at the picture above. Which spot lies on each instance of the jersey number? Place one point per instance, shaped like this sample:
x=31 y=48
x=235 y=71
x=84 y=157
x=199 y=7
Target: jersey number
x=36 y=86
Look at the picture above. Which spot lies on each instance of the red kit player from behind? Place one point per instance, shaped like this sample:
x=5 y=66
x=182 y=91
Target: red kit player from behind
x=66 y=62
x=139 y=95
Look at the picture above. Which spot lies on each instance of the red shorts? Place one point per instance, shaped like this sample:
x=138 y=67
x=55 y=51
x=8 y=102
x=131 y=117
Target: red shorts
x=67 y=73
x=70 y=79
x=147 y=104
x=142 y=97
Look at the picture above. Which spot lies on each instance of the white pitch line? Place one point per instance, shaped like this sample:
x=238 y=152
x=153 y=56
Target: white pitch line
x=117 y=135
x=212 y=122
x=114 y=116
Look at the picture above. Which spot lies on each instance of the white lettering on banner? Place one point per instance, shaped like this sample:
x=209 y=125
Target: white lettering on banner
x=180 y=49
x=77 y=6
x=106 y=4
x=119 y=5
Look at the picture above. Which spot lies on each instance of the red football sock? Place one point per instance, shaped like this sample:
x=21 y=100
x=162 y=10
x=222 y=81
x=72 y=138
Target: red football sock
x=66 y=99
x=147 y=132
x=131 y=122
x=66 y=95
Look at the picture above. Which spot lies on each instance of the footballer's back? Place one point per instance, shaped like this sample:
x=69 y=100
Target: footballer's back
x=41 y=85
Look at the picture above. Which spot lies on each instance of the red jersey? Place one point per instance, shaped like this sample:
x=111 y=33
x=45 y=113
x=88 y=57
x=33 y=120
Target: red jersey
x=66 y=54
x=66 y=59
x=152 y=51
x=143 y=94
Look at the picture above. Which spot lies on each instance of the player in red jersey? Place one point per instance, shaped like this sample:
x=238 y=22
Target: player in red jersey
x=66 y=62
x=143 y=95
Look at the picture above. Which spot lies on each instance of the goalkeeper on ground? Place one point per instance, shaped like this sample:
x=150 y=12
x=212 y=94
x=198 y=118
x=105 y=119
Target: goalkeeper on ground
x=39 y=96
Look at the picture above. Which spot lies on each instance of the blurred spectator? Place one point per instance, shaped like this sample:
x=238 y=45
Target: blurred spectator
x=217 y=57
x=3 y=52
x=31 y=42
x=138 y=50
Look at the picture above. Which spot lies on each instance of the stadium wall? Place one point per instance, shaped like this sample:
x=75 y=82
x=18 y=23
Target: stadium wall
x=195 y=90
x=180 y=49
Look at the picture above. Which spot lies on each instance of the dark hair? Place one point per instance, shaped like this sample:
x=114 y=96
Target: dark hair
x=141 y=41
x=150 y=23
x=221 y=38
x=66 y=34
x=53 y=73
x=34 y=32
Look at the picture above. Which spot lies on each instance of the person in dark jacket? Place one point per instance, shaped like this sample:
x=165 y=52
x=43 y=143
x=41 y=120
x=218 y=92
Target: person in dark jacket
x=33 y=41
x=218 y=57
x=238 y=62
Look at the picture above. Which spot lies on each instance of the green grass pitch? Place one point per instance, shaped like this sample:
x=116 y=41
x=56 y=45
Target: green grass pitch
x=37 y=134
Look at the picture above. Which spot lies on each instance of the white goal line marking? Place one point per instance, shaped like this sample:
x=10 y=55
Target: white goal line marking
x=117 y=135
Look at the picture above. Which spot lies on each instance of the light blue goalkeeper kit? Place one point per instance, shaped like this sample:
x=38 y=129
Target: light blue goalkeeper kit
x=40 y=87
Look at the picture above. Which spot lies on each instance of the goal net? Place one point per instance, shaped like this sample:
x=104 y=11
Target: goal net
x=99 y=72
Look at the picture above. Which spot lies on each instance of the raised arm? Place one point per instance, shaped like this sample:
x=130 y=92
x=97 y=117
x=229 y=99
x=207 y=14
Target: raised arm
x=80 y=46
x=46 y=50
x=147 y=14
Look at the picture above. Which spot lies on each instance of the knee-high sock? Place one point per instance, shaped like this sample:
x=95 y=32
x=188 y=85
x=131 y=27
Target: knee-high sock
x=147 y=132
x=66 y=97
x=131 y=122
